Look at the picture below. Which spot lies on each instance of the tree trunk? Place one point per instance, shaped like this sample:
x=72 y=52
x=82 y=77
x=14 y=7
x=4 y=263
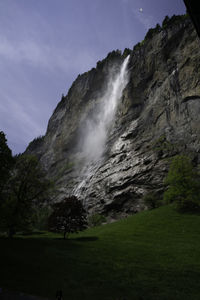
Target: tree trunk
x=11 y=232
x=65 y=235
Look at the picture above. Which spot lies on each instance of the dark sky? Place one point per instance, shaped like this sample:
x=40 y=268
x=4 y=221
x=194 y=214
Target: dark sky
x=45 y=44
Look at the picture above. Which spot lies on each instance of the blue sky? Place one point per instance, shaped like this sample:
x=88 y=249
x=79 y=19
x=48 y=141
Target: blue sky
x=45 y=44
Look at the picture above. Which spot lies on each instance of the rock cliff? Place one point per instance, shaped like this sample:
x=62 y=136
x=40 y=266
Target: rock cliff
x=158 y=117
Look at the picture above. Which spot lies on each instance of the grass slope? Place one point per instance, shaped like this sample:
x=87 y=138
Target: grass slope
x=152 y=255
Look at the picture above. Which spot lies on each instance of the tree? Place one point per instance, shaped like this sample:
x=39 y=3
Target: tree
x=183 y=184
x=165 y=21
x=68 y=216
x=96 y=220
x=151 y=200
x=26 y=188
x=41 y=216
x=6 y=161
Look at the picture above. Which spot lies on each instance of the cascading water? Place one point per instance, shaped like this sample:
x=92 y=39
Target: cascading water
x=96 y=132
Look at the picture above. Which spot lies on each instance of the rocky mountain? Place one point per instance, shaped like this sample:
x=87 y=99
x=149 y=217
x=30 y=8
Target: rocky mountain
x=157 y=117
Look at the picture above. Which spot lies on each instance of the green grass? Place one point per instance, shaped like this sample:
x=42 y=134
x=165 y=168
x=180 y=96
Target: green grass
x=152 y=255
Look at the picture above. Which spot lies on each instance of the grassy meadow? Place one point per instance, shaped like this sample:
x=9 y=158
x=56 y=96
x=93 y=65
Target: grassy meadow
x=151 y=255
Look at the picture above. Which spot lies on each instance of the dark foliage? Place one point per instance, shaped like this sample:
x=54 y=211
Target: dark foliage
x=151 y=200
x=114 y=54
x=127 y=52
x=37 y=142
x=96 y=220
x=25 y=189
x=167 y=22
x=152 y=31
x=6 y=161
x=68 y=216
x=41 y=216
x=183 y=183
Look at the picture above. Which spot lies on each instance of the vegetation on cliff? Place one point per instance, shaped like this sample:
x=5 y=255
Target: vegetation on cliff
x=37 y=142
x=167 y=22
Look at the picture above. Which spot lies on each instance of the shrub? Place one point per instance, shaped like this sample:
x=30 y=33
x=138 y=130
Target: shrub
x=36 y=143
x=183 y=183
x=165 y=22
x=96 y=220
x=41 y=218
x=151 y=200
x=126 y=52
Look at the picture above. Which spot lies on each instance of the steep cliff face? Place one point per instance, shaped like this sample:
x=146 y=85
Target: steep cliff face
x=157 y=118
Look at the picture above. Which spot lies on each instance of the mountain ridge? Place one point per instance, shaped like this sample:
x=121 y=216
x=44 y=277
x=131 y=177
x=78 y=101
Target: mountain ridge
x=156 y=119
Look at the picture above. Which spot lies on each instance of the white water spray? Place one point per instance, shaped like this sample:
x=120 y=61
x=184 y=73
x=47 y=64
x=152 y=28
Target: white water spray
x=97 y=130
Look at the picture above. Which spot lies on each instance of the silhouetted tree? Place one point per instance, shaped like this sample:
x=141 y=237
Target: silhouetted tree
x=6 y=164
x=165 y=21
x=26 y=188
x=68 y=216
x=6 y=161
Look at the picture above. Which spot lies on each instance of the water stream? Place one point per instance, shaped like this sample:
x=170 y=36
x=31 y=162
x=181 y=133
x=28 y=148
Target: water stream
x=96 y=133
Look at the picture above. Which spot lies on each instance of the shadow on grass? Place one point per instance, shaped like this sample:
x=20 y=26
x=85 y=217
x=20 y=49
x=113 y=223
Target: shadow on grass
x=86 y=239
x=78 y=239
x=33 y=233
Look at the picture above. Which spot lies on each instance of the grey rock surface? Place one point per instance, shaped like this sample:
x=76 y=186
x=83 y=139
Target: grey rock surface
x=157 y=118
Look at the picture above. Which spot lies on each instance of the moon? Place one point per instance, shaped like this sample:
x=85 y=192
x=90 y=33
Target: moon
x=141 y=9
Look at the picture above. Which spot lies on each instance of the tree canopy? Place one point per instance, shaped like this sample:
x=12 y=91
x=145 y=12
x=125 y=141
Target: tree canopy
x=183 y=183
x=68 y=216
x=6 y=160
x=25 y=189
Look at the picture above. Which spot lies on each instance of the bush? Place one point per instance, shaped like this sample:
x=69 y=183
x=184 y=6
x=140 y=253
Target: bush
x=41 y=218
x=126 y=52
x=173 y=20
x=165 y=22
x=96 y=220
x=36 y=143
x=151 y=200
x=183 y=183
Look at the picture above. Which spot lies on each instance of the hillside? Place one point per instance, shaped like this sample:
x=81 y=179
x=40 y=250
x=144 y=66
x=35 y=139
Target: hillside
x=156 y=118
x=151 y=255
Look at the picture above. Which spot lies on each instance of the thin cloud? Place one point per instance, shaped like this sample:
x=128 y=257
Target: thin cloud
x=146 y=20
x=46 y=56
x=22 y=114
x=27 y=125
x=21 y=102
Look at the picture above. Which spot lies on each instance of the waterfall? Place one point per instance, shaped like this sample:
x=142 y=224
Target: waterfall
x=96 y=132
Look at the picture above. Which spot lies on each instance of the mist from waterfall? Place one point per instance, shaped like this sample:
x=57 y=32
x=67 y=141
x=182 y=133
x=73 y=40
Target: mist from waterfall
x=94 y=135
x=97 y=130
